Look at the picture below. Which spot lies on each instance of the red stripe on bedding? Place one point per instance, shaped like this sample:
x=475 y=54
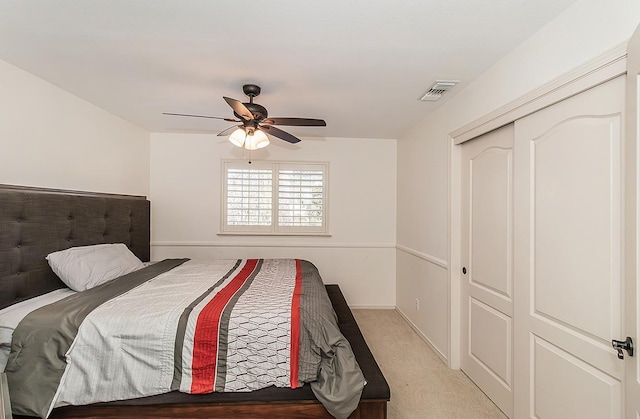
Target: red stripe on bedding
x=295 y=326
x=205 y=345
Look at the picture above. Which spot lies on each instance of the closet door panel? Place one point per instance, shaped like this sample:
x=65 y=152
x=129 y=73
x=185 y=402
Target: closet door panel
x=568 y=295
x=487 y=286
x=576 y=224
x=490 y=177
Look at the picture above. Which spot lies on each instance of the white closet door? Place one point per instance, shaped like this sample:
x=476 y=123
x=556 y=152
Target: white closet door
x=487 y=284
x=568 y=283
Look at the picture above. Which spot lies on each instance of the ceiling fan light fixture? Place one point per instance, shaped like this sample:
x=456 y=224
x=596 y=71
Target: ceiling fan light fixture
x=237 y=137
x=240 y=138
x=257 y=140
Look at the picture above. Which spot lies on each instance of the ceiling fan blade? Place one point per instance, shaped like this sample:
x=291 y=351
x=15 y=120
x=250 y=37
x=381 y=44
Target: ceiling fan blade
x=228 y=131
x=279 y=133
x=239 y=108
x=201 y=116
x=297 y=122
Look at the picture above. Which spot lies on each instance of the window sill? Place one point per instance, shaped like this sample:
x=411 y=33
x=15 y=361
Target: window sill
x=248 y=233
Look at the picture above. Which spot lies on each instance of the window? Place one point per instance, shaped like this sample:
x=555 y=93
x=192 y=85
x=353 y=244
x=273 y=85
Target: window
x=274 y=198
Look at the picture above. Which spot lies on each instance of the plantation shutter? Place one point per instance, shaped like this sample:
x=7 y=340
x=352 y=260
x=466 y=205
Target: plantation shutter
x=300 y=197
x=249 y=197
x=274 y=198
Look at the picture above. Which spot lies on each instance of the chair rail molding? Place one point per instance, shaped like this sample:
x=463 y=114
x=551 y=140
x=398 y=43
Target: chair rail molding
x=273 y=243
x=424 y=256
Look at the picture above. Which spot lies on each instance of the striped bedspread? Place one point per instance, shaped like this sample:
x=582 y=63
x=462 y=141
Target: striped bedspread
x=193 y=326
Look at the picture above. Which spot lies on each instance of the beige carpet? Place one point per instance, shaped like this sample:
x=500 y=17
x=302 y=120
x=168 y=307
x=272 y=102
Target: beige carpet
x=422 y=386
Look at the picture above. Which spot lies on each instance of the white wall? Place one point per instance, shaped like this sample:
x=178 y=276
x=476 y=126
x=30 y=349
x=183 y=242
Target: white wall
x=50 y=138
x=581 y=33
x=360 y=253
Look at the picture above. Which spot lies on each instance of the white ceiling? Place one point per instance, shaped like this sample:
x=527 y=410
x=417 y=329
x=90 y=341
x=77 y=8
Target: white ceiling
x=361 y=65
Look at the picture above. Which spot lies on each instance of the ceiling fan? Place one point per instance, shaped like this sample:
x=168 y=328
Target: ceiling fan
x=255 y=122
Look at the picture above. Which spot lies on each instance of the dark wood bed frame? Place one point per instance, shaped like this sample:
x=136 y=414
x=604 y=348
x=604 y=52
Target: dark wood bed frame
x=35 y=222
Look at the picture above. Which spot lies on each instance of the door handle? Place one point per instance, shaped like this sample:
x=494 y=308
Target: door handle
x=627 y=345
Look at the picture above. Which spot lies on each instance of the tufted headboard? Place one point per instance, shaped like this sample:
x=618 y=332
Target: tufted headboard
x=35 y=222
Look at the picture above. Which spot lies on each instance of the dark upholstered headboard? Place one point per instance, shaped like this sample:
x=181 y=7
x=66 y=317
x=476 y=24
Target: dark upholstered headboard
x=35 y=222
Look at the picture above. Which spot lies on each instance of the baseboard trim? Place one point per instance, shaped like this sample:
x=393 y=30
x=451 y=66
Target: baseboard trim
x=423 y=336
x=370 y=307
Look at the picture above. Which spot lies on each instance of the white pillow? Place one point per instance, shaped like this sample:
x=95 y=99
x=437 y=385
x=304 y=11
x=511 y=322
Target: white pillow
x=85 y=267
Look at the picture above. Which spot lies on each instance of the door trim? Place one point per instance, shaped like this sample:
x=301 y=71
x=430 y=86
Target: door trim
x=607 y=66
x=632 y=219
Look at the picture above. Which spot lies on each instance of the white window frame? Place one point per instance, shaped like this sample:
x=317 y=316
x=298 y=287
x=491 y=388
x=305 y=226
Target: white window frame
x=275 y=228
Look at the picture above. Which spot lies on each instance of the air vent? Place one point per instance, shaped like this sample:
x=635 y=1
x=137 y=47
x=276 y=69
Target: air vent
x=438 y=89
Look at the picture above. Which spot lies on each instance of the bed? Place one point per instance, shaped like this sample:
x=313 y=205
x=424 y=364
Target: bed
x=35 y=222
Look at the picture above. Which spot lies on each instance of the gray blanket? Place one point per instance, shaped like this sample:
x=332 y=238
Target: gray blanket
x=43 y=341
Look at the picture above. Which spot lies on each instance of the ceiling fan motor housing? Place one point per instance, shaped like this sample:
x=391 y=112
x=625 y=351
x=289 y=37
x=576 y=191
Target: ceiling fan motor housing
x=259 y=112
